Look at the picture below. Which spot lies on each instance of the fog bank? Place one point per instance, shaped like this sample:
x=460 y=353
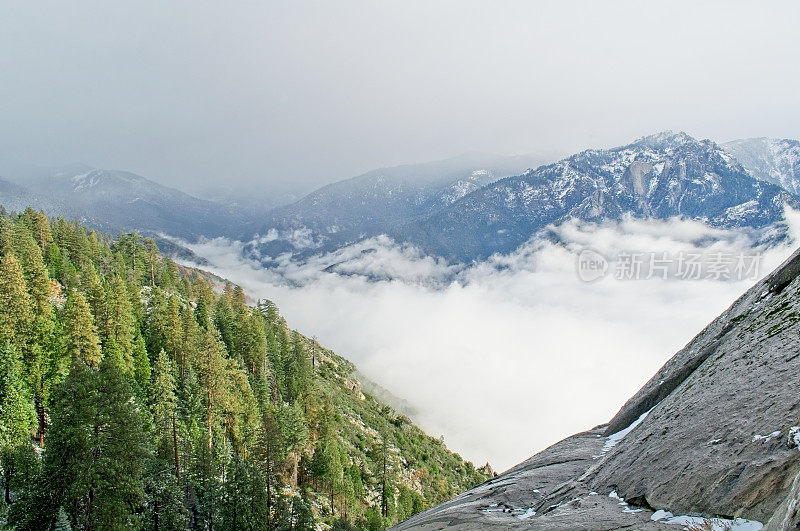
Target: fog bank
x=509 y=356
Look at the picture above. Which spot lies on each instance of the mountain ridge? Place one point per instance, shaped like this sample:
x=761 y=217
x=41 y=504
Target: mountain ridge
x=657 y=176
x=369 y=204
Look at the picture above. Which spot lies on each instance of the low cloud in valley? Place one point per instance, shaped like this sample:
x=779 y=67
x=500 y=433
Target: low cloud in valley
x=508 y=356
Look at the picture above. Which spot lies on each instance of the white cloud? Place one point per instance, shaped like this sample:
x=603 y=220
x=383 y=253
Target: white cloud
x=509 y=356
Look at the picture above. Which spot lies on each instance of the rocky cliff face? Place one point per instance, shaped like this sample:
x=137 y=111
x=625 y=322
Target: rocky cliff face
x=713 y=436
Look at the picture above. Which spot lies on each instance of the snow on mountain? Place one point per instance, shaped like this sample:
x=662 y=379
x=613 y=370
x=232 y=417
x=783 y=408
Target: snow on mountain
x=660 y=176
x=776 y=161
x=373 y=203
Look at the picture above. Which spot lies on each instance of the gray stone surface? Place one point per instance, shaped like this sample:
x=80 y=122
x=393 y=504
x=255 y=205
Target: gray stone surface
x=502 y=502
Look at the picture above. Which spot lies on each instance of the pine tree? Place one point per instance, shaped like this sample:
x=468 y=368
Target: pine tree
x=16 y=307
x=141 y=362
x=294 y=430
x=45 y=364
x=77 y=245
x=164 y=509
x=297 y=368
x=226 y=324
x=254 y=344
x=97 y=297
x=329 y=467
x=120 y=322
x=270 y=453
x=211 y=370
x=168 y=277
x=17 y=416
x=41 y=231
x=81 y=335
x=153 y=262
x=34 y=271
x=190 y=338
x=95 y=458
x=244 y=501
x=55 y=262
x=164 y=408
x=173 y=329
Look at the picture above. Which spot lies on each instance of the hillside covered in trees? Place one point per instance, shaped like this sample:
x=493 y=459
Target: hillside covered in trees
x=139 y=394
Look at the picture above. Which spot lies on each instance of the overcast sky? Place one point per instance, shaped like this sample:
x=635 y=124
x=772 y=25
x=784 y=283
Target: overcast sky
x=297 y=94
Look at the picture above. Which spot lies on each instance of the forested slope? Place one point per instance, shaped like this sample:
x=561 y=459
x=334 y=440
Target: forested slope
x=135 y=393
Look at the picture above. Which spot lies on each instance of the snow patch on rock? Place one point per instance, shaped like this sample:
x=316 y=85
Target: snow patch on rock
x=699 y=522
x=614 y=438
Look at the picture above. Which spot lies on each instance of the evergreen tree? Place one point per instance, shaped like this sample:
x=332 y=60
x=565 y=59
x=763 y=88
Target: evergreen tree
x=34 y=271
x=141 y=362
x=226 y=324
x=17 y=416
x=233 y=409
x=41 y=231
x=297 y=368
x=151 y=250
x=94 y=462
x=81 y=334
x=294 y=430
x=244 y=503
x=254 y=344
x=165 y=409
x=212 y=371
x=16 y=312
x=120 y=323
x=270 y=453
x=163 y=505
x=55 y=262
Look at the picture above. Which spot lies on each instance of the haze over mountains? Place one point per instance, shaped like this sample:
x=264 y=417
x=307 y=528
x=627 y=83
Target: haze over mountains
x=463 y=209
x=114 y=201
x=650 y=179
x=469 y=217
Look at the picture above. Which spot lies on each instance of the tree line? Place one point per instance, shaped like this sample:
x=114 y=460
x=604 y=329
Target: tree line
x=139 y=394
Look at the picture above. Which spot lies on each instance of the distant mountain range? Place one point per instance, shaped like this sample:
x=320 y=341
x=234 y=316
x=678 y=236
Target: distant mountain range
x=115 y=201
x=464 y=209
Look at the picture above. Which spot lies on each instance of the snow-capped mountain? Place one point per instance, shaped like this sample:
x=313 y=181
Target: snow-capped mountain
x=114 y=201
x=659 y=176
x=375 y=202
x=773 y=160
